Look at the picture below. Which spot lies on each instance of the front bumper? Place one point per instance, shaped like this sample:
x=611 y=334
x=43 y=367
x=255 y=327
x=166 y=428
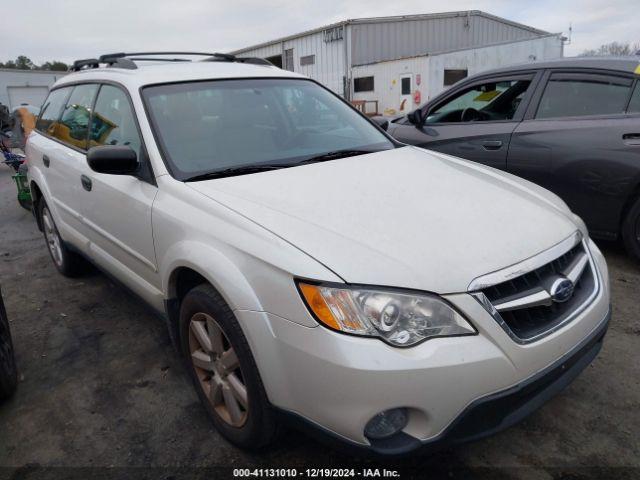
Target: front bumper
x=454 y=388
x=485 y=416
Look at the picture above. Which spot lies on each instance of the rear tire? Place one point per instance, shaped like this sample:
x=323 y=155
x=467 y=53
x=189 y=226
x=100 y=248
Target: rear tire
x=231 y=391
x=631 y=230
x=68 y=263
x=8 y=372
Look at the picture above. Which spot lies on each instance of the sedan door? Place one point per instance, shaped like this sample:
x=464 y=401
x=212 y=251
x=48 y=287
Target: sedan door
x=473 y=121
x=117 y=208
x=577 y=141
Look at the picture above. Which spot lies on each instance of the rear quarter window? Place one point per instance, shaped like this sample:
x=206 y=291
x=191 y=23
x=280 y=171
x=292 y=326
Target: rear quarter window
x=51 y=110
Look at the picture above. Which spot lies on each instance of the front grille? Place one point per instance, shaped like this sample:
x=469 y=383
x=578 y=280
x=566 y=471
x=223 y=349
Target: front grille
x=513 y=302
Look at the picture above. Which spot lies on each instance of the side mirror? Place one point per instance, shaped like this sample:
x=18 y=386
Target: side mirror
x=113 y=159
x=382 y=122
x=416 y=117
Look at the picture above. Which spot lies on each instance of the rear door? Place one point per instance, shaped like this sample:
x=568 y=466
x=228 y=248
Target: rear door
x=579 y=141
x=60 y=154
x=117 y=208
x=475 y=120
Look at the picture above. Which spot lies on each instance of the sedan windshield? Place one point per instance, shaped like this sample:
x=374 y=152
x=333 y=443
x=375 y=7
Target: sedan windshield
x=229 y=127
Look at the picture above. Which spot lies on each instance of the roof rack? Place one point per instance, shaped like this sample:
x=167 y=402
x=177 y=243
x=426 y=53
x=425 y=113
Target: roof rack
x=127 y=60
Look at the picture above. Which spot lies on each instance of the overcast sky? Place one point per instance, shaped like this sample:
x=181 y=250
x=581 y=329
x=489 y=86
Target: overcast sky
x=70 y=29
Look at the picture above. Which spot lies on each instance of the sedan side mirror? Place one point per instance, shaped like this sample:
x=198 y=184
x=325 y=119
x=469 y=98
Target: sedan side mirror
x=113 y=159
x=382 y=122
x=416 y=117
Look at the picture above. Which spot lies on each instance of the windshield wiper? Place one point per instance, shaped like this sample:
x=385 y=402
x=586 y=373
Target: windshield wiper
x=232 y=171
x=334 y=155
x=246 y=169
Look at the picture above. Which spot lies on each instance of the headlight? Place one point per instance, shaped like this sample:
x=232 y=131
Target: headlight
x=400 y=319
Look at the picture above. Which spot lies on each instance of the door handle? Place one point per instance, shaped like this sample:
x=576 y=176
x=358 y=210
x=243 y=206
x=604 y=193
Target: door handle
x=492 y=144
x=46 y=161
x=631 y=139
x=86 y=183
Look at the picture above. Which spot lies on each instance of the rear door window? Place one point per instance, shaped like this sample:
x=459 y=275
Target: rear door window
x=577 y=95
x=113 y=121
x=74 y=123
x=51 y=110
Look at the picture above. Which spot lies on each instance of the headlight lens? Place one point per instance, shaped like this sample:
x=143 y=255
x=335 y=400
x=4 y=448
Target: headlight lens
x=401 y=319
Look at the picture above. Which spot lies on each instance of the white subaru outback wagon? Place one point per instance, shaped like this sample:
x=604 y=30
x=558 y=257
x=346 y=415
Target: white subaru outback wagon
x=310 y=268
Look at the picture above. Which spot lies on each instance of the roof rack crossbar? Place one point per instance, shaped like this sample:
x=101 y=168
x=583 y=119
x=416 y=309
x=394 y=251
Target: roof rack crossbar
x=223 y=57
x=86 y=63
x=127 y=60
x=152 y=59
x=112 y=56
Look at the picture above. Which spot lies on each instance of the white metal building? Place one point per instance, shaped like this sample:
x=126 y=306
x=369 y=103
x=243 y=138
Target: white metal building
x=25 y=86
x=401 y=61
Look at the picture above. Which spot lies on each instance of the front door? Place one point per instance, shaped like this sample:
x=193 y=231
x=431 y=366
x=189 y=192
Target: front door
x=474 y=122
x=117 y=208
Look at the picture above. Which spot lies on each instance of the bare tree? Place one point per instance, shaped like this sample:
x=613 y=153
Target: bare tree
x=613 y=49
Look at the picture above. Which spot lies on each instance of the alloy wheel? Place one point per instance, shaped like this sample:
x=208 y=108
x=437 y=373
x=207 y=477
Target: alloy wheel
x=52 y=237
x=218 y=370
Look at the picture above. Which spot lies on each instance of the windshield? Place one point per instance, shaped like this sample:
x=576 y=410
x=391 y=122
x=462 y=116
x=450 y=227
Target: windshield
x=205 y=127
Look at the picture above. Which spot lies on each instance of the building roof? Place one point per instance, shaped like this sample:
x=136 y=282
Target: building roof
x=397 y=18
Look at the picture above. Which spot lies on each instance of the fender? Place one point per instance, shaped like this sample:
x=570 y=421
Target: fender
x=204 y=259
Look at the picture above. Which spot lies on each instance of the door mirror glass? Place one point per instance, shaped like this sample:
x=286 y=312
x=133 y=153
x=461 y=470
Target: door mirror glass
x=113 y=160
x=489 y=101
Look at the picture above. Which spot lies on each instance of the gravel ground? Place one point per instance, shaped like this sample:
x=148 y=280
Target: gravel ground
x=100 y=386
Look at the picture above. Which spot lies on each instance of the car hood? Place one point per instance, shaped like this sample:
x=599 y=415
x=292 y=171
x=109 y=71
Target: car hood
x=406 y=217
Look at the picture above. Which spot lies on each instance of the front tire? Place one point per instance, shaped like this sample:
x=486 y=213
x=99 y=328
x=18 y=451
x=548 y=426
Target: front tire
x=68 y=263
x=224 y=371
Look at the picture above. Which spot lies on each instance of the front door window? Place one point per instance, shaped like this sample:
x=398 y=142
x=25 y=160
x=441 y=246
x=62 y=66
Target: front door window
x=489 y=101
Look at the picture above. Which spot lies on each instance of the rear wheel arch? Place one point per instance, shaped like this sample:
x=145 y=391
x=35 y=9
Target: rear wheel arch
x=628 y=204
x=630 y=224
x=36 y=196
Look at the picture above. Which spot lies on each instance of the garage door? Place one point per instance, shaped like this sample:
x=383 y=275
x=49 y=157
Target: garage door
x=32 y=95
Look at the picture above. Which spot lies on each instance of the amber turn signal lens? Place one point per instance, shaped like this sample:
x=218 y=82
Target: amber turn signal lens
x=318 y=306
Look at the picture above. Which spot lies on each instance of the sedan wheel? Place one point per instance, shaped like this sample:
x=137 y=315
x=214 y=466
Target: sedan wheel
x=631 y=230
x=218 y=369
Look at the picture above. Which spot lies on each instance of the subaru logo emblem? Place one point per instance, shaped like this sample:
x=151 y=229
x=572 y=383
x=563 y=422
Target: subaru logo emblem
x=561 y=290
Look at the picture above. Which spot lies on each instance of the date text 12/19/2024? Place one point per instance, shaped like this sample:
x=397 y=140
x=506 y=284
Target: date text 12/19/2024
x=315 y=473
